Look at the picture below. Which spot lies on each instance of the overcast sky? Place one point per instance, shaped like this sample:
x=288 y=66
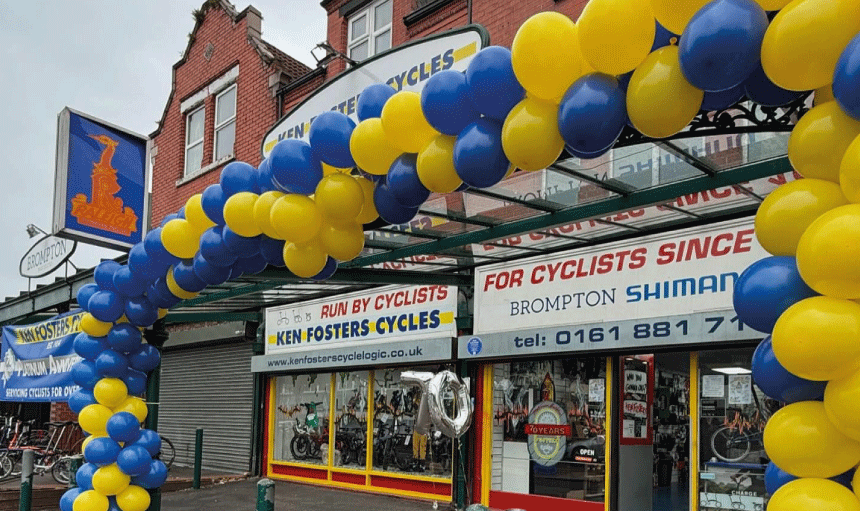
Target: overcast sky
x=109 y=59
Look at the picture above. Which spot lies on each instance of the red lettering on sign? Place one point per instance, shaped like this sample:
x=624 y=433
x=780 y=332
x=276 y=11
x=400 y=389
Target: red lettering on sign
x=548 y=429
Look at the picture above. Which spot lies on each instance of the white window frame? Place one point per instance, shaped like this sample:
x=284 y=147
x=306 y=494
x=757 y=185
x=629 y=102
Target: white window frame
x=225 y=123
x=371 y=31
x=195 y=143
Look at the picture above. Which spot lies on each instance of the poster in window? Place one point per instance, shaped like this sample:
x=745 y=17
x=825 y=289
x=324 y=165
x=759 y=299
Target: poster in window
x=713 y=386
x=740 y=389
x=637 y=375
x=596 y=390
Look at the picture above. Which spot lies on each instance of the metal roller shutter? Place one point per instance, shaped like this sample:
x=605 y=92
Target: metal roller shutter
x=209 y=387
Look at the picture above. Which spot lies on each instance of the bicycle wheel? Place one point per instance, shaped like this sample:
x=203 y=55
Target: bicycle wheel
x=34 y=438
x=61 y=471
x=729 y=445
x=300 y=447
x=167 y=453
x=6 y=465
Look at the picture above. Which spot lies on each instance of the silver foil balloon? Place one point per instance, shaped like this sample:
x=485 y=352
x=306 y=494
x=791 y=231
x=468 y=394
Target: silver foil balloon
x=422 y=418
x=442 y=384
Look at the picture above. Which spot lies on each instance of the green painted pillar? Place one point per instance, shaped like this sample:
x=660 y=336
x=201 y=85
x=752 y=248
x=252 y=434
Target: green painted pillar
x=155 y=336
x=25 y=501
x=265 y=495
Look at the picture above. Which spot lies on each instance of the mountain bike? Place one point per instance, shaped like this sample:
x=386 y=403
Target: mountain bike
x=739 y=436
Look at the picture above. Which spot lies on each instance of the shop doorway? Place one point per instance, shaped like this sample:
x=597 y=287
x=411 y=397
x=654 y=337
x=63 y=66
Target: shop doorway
x=654 y=432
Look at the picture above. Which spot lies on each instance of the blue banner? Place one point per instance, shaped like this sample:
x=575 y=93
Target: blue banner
x=37 y=359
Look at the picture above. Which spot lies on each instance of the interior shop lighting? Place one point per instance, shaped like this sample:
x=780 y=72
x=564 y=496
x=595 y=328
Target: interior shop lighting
x=731 y=370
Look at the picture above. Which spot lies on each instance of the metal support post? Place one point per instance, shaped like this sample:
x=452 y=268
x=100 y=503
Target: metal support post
x=26 y=500
x=155 y=336
x=198 y=457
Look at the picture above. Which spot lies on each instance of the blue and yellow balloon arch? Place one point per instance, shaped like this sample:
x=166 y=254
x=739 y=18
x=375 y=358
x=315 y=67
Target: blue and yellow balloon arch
x=562 y=86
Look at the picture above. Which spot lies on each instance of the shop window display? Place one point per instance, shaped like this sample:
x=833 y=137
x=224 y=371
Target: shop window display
x=302 y=418
x=351 y=419
x=550 y=423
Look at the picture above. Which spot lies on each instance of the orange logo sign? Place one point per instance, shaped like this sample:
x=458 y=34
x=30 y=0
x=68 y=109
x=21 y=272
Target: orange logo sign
x=106 y=211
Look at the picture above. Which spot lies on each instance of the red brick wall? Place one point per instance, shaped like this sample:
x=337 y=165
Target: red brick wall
x=60 y=412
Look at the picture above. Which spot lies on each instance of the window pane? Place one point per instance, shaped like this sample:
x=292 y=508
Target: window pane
x=358 y=52
x=226 y=107
x=383 y=42
x=359 y=27
x=193 y=158
x=351 y=419
x=382 y=15
x=224 y=138
x=195 y=126
x=301 y=418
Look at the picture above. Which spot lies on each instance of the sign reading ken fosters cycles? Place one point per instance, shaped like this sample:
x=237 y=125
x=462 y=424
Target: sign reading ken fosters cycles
x=366 y=318
x=406 y=67
x=682 y=272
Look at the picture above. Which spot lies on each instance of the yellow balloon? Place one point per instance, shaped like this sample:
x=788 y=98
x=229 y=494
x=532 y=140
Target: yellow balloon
x=545 y=55
x=849 y=172
x=305 y=260
x=615 y=36
x=110 y=480
x=530 y=135
x=810 y=494
x=819 y=338
x=133 y=498
x=339 y=198
x=174 y=288
x=660 y=101
x=87 y=440
x=675 y=14
x=180 y=238
x=296 y=218
x=436 y=165
x=819 y=141
x=195 y=215
x=823 y=95
x=804 y=41
x=344 y=242
x=91 y=500
x=828 y=255
x=801 y=440
x=842 y=403
x=371 y=150
x=785 y=214
x=93 y=418
x=263 y=212
x=134 y=406
x=328 y=169
x=404 y=123
x=162 y=313
x=368 y=209
x=91 y=326
x=110 y=392
x=239 y=214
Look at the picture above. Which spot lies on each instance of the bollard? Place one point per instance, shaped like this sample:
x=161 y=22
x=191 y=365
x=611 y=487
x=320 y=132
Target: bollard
x=265 y=495
x=198 y=457
x=74 y=465
x=26 y=500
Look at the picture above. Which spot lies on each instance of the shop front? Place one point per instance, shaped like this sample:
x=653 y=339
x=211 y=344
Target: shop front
x=618 y=377
x=337 y=412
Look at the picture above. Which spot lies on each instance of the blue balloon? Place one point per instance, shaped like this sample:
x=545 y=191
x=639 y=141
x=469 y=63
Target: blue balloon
x=84 y=294
x=329 y=136
x=446 y=102
x=124 y=338
x=389 y=209
x=84 y=374
x=264 y=177
x=777 y=383
x=493 y=87
x=128 y=283
x=145 y=359
x=846 y=79
x=102 y=451
x=759 y=89
x=592 y=113
x=479 y=158
x=134 y=460
x=123 y=427
x=240 y=246
x=209 y=273
x=766 y=289
x=663 y=37
x=112 y=364
x=403 y=182
x=81 y=399
x=106 y=306
x=67 y=501
x=624 y=81
x=135 y=381
x=140 y=311
x=273 y=251
x=714 y=101
x=249 y=265
x=84 y=475
x=154 y=478
x=721 y=45
x=775 y=478
x=845 y=478
x=372 y=99
x=160 y=296
x=212 y=201
x=181 y=213
x=586 y=156
x=167 y=218
x=213 y=249
x=462 y=188
x=373 y=177
x=103 y=274
x=89 y=347
x=150 y=441
x=328 y=270
x=141 y=264
x=183 y=274
x=237 y=177
x=294 y=167
x=160 y=258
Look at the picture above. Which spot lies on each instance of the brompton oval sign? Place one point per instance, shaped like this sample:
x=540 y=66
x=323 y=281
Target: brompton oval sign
x=46 y=256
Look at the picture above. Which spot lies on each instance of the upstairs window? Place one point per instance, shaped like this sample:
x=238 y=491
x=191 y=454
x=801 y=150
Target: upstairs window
x=370 y=30
x=225 y=123
x=194 y=123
